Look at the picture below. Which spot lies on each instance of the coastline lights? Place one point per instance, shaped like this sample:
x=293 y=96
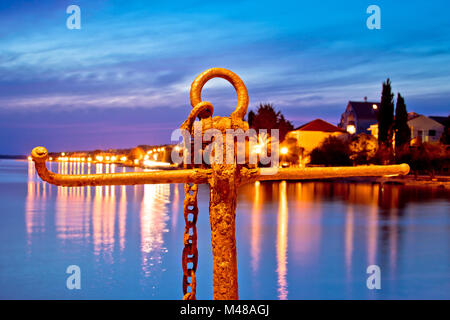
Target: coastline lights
x=123 y=158
x=89 y=159
x=99 y=158
x=107 y=158
x=113 y=158
x=63 y=154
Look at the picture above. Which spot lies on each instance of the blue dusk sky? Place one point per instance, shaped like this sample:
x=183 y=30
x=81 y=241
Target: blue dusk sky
x=123 y=79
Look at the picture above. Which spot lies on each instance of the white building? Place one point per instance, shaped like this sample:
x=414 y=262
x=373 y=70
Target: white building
x=424 y=129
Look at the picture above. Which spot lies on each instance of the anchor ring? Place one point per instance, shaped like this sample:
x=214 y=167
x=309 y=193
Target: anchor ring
x=238 y=84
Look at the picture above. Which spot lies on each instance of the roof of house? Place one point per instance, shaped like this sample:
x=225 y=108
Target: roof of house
x=319 y=125
x=445 y=121
x=422 y=120
x=412 y=115
x=365 y=110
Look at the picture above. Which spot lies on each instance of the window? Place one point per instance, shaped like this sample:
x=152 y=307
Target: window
x=432 y=133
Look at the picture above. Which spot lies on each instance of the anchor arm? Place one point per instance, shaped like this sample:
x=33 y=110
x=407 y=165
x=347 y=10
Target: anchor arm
x=252 y=175
x=40 y=155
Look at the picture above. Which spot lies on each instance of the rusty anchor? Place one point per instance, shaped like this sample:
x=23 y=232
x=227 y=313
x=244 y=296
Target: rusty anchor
x=223 y=179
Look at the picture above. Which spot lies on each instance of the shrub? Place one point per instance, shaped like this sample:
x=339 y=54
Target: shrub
x=363 y=148
x=332 y=152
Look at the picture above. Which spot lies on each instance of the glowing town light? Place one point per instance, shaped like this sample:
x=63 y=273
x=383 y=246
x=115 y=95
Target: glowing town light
x=63 y=154
x=89 y=159
x=30 y=158
x=374 y=106
x=107 y=158
x=99 y=158
x=50 y=158
x=83 y=159
x=257 y=148
x=351 y=129
x=123 y=158
x=136 y=161
x=155 y=157
x=284 y=150
x=146 y=157
x=113 y=158
x=177 y=148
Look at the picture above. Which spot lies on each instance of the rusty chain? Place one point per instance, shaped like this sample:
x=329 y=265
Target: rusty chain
x=190 y=211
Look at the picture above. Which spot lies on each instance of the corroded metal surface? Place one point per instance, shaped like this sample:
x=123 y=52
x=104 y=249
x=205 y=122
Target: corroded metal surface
x=200 y=176
x=238 y=84
x=40 y=155
x=223 y=179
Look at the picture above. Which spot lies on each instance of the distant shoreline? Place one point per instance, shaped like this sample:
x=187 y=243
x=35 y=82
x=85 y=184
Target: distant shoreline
x=13 y=157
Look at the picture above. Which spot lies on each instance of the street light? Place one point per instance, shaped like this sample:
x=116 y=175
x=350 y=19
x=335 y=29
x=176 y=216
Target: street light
x=351 y=129
x=284 y=150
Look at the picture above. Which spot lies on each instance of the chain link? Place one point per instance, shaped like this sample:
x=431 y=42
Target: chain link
x=190 y=212
x=190 y=251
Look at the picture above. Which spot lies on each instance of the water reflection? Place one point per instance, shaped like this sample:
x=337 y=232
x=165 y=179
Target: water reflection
x=300 y=239
x=335 y=228
x=282 y=235
x=256 y=227
x=98 y=216
x=153 y=224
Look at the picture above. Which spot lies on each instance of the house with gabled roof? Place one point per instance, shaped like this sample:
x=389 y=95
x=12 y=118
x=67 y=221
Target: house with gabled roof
x=311 y=135
x=359 y=116
x=423 y=128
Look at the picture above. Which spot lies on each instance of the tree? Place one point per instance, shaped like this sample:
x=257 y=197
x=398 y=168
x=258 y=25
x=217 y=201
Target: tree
x=386 y=116
x=251 y=117
x=267 y=118
x=363 y=148
x=428 y=157
x=402 y=130
x=445 y=138
x=332 y=152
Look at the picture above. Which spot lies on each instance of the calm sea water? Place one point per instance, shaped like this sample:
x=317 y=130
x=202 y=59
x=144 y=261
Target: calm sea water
x=295 y=240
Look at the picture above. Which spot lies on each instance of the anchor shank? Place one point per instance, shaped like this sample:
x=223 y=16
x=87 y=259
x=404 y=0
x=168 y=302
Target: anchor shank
x=222 y=214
